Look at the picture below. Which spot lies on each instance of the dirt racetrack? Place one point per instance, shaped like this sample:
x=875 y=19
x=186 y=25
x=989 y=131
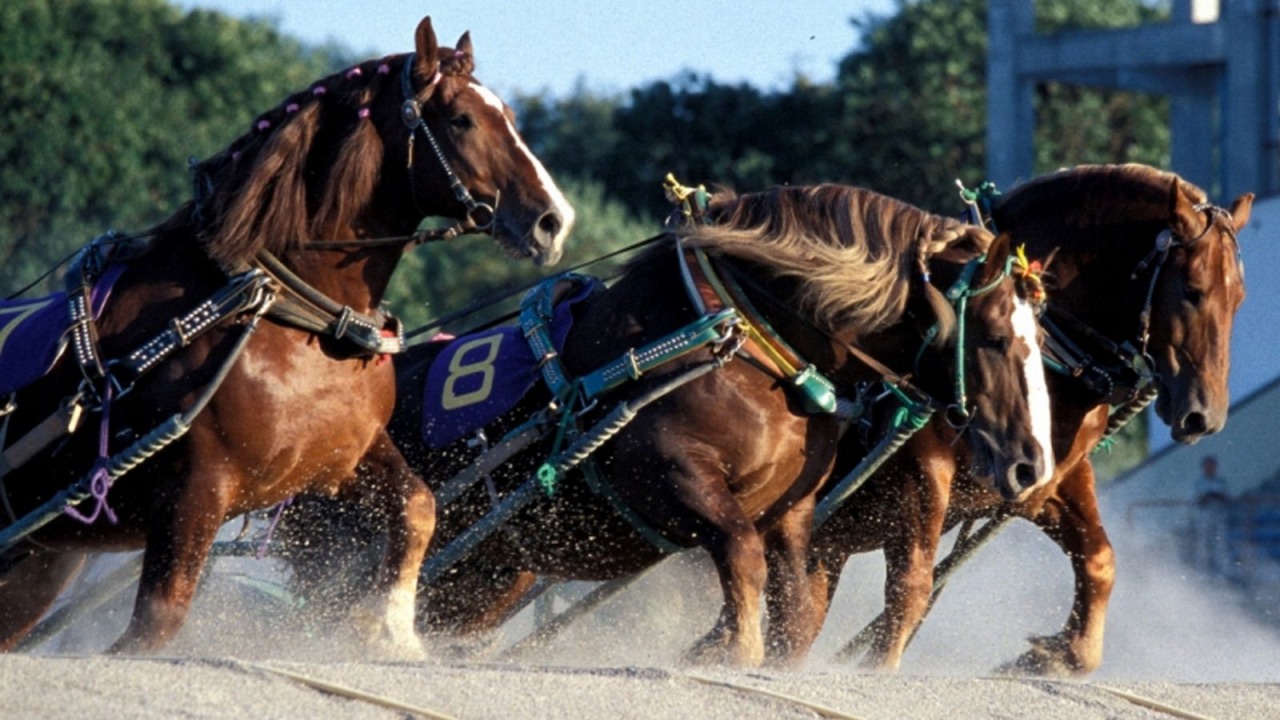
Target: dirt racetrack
x=1178 y=645
x=101 y=687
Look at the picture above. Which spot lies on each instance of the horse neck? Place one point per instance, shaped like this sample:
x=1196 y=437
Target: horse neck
x=357 y=275
x=354 y=277
x=1093 y=275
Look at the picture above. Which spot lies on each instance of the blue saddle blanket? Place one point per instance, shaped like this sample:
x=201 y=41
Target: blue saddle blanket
x=33 y=331
x=479 y=377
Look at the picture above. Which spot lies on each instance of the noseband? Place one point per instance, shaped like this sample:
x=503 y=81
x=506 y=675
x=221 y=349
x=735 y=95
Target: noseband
x=481 y=215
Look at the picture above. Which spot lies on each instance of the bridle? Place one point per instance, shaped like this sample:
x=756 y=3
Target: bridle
x=481 y=215
x=957 y=413
x=1166 y=241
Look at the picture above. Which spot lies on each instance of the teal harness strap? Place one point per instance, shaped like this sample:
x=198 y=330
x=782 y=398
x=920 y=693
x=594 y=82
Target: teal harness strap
x=909 y=418
x=706 y=330
x=579 y=453
x=536 y=311
x=959 y=293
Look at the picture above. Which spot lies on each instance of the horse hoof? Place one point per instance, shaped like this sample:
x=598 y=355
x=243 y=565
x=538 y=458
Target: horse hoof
x=1048 y=657
x=711 y=651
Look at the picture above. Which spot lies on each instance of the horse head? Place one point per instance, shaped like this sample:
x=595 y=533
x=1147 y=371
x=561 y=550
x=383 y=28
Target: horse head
x=854 y=255
x=1192 y=305
x=370 y=152
x=1000 y=394
x=490 y=177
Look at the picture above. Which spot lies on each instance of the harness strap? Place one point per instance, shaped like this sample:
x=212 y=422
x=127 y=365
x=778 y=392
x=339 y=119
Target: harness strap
x=909 y=419
x=1118 y=383
x=304 y=307
x=710 y=329
x=119 y=464
x=245 y=291
x=85 y=269
x=580 y=451
x=537 y=309
x=818 y=393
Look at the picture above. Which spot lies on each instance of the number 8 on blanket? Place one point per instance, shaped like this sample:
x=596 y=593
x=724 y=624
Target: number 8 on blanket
x=465 y=365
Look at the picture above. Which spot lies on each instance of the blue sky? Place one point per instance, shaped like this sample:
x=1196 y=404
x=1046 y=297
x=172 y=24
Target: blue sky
x=608 y=44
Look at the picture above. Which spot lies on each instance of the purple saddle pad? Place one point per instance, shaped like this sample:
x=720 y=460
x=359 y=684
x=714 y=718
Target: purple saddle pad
x=33 y=332
x=480 y=376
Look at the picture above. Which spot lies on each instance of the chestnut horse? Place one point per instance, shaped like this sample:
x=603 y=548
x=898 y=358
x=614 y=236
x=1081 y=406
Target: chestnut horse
x=1144 y=280
x=311 y=210
x=735 y=451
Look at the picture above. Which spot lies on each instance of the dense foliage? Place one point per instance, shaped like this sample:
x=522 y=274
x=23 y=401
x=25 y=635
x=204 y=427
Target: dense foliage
x=105 y=101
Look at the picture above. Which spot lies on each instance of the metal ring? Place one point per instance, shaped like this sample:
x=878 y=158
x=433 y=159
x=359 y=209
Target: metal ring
x=480 y=208
x=957 y=416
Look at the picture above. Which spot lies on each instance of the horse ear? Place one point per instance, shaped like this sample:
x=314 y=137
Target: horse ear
x=427 y=50
x=1240 y=210
x=997 y=255
x=464 y=44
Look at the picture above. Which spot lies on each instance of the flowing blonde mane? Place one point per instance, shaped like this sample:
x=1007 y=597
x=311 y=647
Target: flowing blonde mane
x=854 y=252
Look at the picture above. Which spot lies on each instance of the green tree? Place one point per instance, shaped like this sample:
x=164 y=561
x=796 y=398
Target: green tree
x=914 y=117
x=105 y=101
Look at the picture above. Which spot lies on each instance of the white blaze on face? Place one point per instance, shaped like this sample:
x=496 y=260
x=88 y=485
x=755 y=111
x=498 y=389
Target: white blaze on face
x=1025 y=327
x=558 y=200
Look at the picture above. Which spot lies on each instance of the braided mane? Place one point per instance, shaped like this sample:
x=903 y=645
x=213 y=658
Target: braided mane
x=854 y=252
x=305 y=168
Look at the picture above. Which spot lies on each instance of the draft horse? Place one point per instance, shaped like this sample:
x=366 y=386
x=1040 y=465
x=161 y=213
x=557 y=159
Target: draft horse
x=298 y=224
x=829 y=277
x=1144 y=279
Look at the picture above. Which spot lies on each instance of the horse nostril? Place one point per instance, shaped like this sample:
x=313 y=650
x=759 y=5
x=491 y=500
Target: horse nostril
x=1195 y=424
x=1024 y=475
x=550 y=224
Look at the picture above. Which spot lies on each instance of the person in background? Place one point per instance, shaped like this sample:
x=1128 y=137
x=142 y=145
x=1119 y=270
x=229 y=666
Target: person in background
x=1209 y=520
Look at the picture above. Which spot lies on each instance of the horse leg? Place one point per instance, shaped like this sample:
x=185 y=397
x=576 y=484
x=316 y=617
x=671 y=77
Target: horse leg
x=737 y=638
x=1072 y=520
x=738 y=553
x=179 y=538
x=390 y=487
x=910 y=552
x=920 y=478
x=29 y=588
x=795 y=616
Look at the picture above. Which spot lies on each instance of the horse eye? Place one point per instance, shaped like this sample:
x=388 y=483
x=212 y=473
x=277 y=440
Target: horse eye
x=462 y=122
x=1193 y=296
